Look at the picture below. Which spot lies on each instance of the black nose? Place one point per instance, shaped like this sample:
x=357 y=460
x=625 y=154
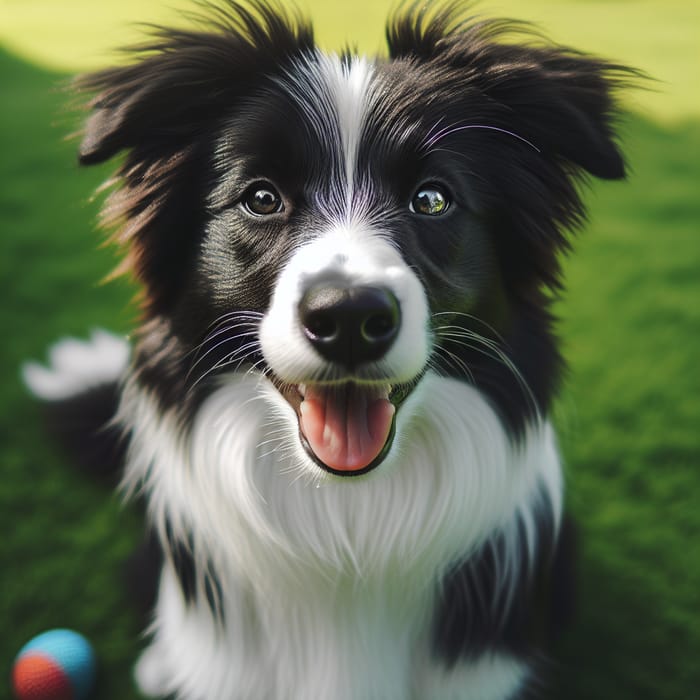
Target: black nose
x=350 y=325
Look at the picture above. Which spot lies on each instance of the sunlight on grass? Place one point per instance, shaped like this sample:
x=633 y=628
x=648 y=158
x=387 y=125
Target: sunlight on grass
x=659 y=38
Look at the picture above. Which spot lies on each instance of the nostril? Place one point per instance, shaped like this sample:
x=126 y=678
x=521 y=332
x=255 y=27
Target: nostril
x=379 y=327
x=320 y=312
x=321 y=325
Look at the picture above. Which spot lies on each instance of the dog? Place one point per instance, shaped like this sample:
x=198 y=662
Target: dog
x=336 y=403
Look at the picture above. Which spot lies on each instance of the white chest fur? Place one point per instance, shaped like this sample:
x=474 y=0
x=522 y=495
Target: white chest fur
x=327 y=582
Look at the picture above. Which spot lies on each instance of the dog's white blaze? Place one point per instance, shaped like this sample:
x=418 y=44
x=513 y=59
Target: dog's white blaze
x=349 y=86
x=335 y=98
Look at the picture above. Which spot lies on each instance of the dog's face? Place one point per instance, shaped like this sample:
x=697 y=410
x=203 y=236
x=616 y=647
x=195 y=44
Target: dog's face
x=338 y=220
x=344 y=226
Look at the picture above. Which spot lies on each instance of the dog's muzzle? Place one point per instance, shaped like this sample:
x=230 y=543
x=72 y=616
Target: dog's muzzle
x=348 y=426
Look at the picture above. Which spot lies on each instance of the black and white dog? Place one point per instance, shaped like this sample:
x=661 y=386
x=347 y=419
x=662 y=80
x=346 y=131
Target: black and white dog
x=336 y=404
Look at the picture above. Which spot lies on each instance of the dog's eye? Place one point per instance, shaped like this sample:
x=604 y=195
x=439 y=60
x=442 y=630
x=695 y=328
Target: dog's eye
x=430 y=200
x=262 y=199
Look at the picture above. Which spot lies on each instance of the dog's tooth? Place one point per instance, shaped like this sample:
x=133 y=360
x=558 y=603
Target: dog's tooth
x=302 y=389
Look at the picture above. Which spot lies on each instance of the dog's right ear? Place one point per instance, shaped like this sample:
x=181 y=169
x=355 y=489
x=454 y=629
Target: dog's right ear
x=183 y=79
x=131 y=105
x=162 y=112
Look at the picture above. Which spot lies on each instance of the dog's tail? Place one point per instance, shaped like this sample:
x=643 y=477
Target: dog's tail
x=80 y=388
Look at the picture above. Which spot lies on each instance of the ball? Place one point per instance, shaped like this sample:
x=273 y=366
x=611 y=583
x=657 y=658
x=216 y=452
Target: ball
x=56 y=665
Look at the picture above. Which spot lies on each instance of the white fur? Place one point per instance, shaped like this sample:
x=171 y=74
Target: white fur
x=76 y=366
x=350 y=87
x=327 y=581
x=335 y=98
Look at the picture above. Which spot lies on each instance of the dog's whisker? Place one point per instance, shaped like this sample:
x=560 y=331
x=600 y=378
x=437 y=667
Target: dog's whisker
x=233 y=321
x=234 y=332
x=432 y=138
x=236 y=358
x=237 y=314
x=470 y=317
x=218 y=345
x=479 y=344
x=447 y=132
x=431 y=132
x=456 y=362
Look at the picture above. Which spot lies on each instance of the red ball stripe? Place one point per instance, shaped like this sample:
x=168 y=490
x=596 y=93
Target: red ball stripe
x=37 y=677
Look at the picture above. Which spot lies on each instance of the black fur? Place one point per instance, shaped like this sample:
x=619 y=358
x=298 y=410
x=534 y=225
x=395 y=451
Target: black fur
x=475 y=615
x=195 y=580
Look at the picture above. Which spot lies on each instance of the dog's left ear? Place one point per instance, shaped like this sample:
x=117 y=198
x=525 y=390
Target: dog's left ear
x=560 y=100
x=565 y=103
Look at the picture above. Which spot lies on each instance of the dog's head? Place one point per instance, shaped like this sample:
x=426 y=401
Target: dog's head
x=344 y=226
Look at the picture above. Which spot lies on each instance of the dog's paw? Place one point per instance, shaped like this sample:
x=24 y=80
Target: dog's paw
x=76 y=366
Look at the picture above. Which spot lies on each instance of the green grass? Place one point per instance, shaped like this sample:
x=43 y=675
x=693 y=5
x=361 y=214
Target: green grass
x=64 y=537
x=629 y=424
x=628 y=418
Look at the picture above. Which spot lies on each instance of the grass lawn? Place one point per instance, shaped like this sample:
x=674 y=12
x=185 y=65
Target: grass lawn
x=628 y=418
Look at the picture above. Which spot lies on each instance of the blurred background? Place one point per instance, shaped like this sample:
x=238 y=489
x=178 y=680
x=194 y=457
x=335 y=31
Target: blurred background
x=629 y=418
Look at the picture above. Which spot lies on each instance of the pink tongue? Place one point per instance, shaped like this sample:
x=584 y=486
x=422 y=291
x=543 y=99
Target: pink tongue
x=346 y=426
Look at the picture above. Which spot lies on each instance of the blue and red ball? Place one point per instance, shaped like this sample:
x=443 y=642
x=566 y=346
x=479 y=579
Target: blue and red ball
x=56 y=665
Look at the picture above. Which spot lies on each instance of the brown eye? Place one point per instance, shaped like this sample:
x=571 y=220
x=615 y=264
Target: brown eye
x=430 y=200
x=262 y=199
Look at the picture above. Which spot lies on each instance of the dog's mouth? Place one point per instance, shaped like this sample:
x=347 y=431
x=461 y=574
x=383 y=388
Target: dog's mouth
x=347 y=428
